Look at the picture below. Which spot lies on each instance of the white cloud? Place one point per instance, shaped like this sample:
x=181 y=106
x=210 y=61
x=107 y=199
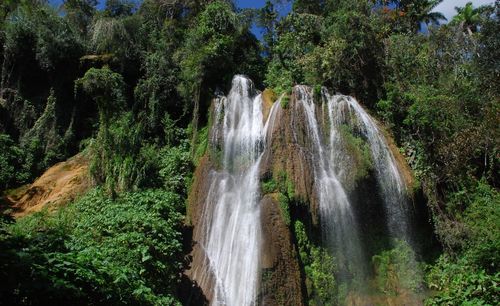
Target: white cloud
x=447 y=7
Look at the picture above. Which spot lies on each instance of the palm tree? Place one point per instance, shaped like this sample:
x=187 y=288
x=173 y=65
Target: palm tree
x=420 y=12
x=468 y=18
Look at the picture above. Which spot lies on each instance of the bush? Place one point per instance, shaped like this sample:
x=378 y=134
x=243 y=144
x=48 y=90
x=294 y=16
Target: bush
x=284 y=101
x=175 y=168
x=471 y=277
x=397 y=269
x=11 y=158
x=460 y=282
x=319 y=267
x=97 y=251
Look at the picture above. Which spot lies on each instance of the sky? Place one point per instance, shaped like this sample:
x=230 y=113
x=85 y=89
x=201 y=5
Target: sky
x=447 y=7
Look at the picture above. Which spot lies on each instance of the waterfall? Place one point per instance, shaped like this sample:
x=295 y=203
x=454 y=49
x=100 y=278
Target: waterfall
x=332 y=167
x=346 y=110
x=333 y=139
x=231 y=220
x=340 y=227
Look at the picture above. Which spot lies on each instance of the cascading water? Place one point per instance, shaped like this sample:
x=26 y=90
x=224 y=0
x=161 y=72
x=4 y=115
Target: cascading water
x=231 y=219
x=338 y=221
x=346 y=110
x=333 y=165
x=342 y=154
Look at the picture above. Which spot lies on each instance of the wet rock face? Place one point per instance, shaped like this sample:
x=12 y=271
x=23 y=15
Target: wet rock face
x=288 y=153
x=280 y=277
x=196 y=201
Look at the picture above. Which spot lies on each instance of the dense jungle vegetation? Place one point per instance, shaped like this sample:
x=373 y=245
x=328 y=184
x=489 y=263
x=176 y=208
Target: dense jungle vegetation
x=130 y=86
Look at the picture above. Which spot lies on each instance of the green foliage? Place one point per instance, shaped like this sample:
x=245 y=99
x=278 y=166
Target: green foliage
x=297 y=34
x=317 y=97
x=79 y=13
x=155 y=92
x=489 y=51
x=359 y=151
x=308 y=6
x=210 y=48
x=269 y=186
x=106 y=89
x=280 y=183
x=117 y=146
x=482 y=218
x=461 y=282
x=115 y=154
x=201 y=145
x=96 y=251
x=40 y=34
x=285 y=185
x=43 y=145
x=267 y=18
x=319 y=267
x=397 y=269
x=284 y=207
x=437 y=92
x=175 y=168
x=467 y=18
x=471 y=276
x=11 y=158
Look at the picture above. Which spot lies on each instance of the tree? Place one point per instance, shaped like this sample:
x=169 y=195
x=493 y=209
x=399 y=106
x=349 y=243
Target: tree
x=267 y=18
x=215 y=48
x=11 y=159
x=467 y=18
x=106 y=88
x=80 y=13
x=119 y=8
x=309 y=6
x=420 y=11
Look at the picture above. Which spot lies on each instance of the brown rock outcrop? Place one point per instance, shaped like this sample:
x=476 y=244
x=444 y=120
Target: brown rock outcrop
x=59 y=185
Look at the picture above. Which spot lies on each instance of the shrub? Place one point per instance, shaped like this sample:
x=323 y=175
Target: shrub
x=284 y=101
x=10 y=161
x=397 y=268
x=460 y=282
x=269 y=186
x=319 y=267
x=97 y=251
